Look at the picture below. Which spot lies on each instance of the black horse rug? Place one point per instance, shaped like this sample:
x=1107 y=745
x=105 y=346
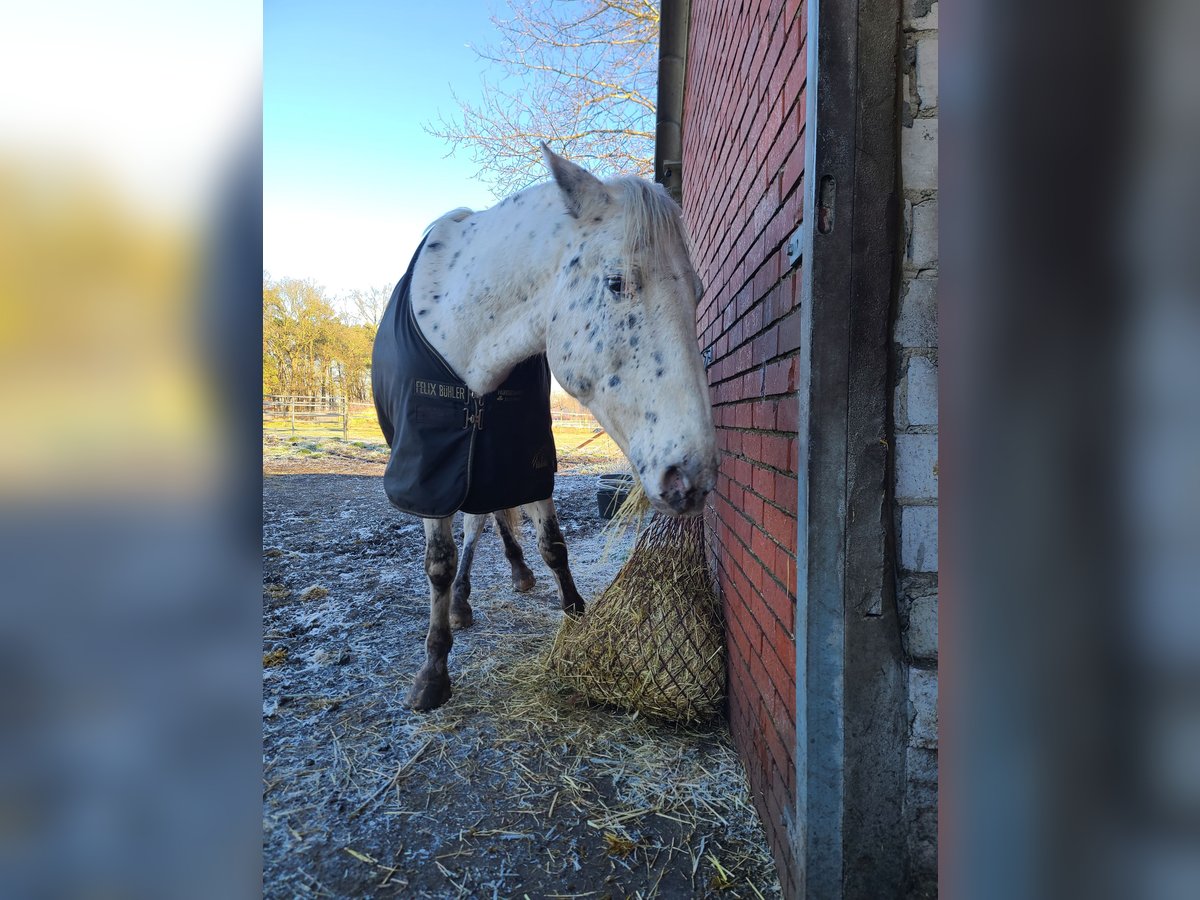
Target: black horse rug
x=452 y=449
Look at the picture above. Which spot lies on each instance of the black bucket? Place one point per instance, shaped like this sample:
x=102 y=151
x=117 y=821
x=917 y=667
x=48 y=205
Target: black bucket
x=611 y=491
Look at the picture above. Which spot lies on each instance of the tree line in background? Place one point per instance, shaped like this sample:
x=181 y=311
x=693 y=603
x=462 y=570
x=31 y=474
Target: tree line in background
x=320 y=347
x=313 y=349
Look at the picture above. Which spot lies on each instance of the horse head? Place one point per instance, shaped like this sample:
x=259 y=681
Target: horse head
x=621 y=331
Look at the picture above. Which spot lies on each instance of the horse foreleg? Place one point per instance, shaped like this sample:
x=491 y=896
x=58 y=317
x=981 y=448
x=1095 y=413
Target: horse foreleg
x=507 y=521
x=554 y=551
x=431 y=687
x=461 y=615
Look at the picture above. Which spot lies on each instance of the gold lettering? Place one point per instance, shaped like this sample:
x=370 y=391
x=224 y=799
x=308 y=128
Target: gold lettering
x=438 y=390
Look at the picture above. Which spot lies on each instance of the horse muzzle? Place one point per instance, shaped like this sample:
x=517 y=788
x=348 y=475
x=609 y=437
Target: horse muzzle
x=682 y=489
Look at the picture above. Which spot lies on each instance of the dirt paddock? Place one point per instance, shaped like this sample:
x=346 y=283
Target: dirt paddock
x=514 y=788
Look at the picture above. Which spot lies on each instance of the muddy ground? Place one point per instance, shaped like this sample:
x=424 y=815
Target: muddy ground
x=514 y=788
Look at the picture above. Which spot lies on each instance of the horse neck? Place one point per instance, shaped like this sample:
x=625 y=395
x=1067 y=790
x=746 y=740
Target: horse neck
x=486 y=286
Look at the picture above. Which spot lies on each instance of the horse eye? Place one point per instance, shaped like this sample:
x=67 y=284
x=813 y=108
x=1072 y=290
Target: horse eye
x=616 y=284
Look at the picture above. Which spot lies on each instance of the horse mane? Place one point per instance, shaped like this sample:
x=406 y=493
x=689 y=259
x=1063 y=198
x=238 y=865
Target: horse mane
x=653 y=221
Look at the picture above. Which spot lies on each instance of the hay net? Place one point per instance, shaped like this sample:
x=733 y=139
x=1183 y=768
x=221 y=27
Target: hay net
x=653 y=641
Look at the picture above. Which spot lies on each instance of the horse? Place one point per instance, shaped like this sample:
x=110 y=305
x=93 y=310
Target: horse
x=589 y=279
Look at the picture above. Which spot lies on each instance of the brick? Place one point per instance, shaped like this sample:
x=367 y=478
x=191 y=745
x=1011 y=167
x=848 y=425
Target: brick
x=763 y=482
x=736 y=495
x=786 y=491
x=927 y=72
x=757 y=575
x=779 y=525
x=921 y=392
x=779 y=603
x=921 y=628
x=760 y=544
x=784 y=644
x=781 y=568
x=919 y=155
x=781 y=227
x=766 y=345
x=923 y=240
x=752 y=507
x=758 y=671
x=922 y=709
x=787 y=418
x=741 y=525
x=774 y=451
x=775 y=304
x=916 y=467
x=778 y=741
x=919 y=538
x=748 y=639
x=752 y=444
x=752 y=321
x=916 y=325
x=764 y=415
x=920 y=14
x=776 y=377
x=783 y=524
x=740 y=471
x=783 y=719
x=792 y=181
x=789 y=332
x=778 y=677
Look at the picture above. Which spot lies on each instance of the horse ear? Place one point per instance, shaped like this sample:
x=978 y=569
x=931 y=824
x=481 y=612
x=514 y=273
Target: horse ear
x=581 y=190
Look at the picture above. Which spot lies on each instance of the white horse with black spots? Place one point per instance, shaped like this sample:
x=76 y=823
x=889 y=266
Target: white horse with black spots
x=597 y=276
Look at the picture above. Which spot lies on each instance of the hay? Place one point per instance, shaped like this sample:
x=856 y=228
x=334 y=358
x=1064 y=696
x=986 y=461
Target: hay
x=276 y=657
x=520 y=774
x=652 y=642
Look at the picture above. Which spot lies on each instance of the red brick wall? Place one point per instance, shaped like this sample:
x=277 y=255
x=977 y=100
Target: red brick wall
x=743 y=162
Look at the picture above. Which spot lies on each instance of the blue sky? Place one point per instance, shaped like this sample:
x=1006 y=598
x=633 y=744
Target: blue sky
x=350 y=177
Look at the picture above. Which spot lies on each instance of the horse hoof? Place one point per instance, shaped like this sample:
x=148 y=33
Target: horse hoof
x=428 y=693
x=523 y=582
x=461 y=616
x=574 y=610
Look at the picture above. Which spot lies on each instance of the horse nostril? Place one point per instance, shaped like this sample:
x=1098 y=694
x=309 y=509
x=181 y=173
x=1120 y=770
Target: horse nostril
x=674 y=482
x=678 y=491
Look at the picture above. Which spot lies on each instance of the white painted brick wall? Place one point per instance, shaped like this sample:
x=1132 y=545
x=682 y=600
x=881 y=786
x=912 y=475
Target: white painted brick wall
x=919 y=155
x=915 y=438
x=921 y=392
x=927 y=78
x=916 y=325
x=922 y=700
x=916 y=467
x=923 y=246
x=921 y=629
x=919 y=538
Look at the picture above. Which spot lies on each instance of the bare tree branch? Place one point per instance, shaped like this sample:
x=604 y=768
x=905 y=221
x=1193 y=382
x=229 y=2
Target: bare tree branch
x=578 y=74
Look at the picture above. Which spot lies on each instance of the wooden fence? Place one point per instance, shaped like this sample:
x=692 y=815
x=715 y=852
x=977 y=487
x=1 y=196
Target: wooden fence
x=317 y=415
x=333 y=416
